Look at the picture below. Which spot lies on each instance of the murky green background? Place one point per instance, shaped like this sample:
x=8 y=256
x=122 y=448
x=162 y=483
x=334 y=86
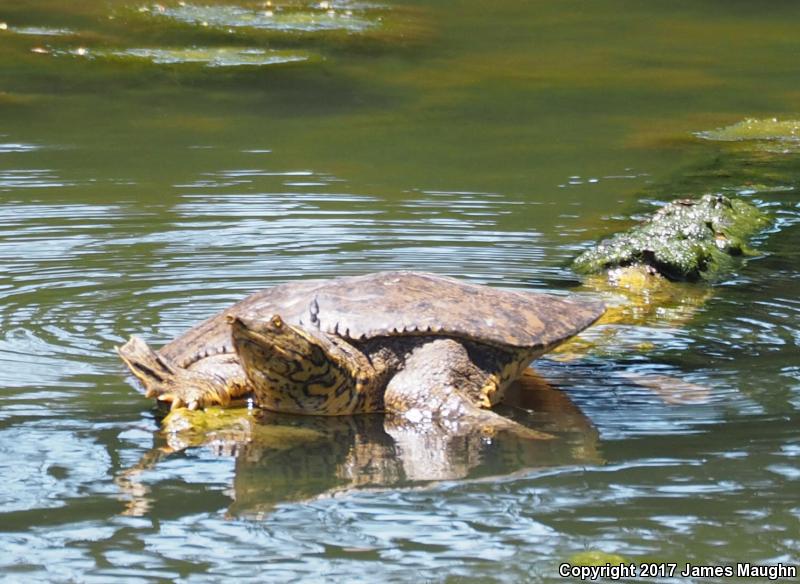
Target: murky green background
x=490 y=141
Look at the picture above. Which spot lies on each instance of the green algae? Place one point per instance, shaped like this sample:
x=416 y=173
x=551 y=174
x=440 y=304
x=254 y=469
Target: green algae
x=596 y=558
x=635 y=296
x=8 y=99
x=221 y=35
x=184 y=428
x=769 y=135
x=756 y=129
x=38 y=31
x=288 y=19
x=331 y=23
x=685 y=240
x=207 y=56
x=637 y=301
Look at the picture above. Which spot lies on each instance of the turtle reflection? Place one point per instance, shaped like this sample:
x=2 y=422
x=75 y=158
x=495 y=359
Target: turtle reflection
x=283 y=458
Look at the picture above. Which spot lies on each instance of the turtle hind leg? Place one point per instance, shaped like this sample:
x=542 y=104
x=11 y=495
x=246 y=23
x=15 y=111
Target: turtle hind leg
x=431 y=393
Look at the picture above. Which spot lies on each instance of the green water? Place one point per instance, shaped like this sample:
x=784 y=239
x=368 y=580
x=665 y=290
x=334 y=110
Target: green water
x=490 y=141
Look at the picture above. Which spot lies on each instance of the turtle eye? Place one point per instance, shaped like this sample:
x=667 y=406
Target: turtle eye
x=277 y=322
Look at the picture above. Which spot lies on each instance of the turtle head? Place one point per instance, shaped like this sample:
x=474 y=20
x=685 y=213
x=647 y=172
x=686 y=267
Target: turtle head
x=146 y=365
x=297 y=370
x=169 y=383
x=274 y=343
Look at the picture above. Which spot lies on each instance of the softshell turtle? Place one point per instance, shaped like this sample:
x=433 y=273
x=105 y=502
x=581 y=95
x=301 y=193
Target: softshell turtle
x=426 y=347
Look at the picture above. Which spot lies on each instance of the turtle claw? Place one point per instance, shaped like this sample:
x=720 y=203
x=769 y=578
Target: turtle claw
x=185 y=399
x=150 y=393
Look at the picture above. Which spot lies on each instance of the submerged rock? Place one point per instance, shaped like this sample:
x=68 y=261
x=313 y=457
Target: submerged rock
x=685 y=240
x=636 y=296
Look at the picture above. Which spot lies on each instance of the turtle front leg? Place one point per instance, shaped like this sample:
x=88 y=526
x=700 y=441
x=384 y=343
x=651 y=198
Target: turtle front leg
x=432 y=393
x=179 y=387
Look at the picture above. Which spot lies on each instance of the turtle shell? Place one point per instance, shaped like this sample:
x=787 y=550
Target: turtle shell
x=403 y=303
x=399 y=304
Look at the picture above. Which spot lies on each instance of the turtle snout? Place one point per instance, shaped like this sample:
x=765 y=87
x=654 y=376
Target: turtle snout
x=240 y=327
x=241 y=323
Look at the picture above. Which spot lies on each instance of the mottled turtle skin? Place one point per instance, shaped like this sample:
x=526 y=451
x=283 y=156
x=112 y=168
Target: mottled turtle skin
x=424 y=346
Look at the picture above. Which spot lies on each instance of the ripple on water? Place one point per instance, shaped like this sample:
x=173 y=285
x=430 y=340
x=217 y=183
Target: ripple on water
x=768 y=325
x=335 y=230
x=56 y=291
x=42 y=465
x=6 y=148
x=11 y=180
x=221 y=245
x=91 y=274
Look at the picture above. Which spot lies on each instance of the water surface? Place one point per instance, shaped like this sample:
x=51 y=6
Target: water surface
x=139 y=195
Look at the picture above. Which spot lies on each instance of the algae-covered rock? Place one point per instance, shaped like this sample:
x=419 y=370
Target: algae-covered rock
x=685 y=240
x=654 y=276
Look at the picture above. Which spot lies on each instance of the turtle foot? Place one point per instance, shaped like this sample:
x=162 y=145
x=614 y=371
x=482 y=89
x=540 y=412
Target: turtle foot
x=193 y=397
x=433 y=392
